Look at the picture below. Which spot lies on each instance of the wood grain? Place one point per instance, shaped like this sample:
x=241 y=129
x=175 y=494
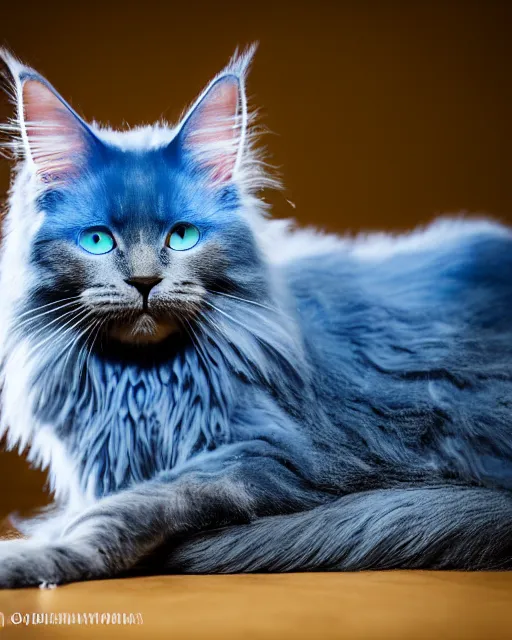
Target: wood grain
x=392 y=605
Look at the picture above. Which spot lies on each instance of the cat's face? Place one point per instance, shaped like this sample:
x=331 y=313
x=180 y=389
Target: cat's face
x=135 y=241
x=141 y=243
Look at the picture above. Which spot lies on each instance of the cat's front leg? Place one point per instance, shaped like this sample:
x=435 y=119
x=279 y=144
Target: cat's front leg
x=26 y=563
x=231 y=485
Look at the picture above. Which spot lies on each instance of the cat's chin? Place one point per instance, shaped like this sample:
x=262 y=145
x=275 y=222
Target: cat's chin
x=143 y=330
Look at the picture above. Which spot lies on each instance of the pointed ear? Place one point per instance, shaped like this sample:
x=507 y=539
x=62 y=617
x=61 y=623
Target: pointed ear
x=212 y=134
x=55 y=140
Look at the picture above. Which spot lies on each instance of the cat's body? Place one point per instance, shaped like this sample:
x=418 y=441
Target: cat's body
x=325 y=403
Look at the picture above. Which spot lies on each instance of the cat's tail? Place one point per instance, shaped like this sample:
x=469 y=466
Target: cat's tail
x=436 y=528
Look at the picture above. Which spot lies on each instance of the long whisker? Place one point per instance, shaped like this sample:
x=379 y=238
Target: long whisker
x=277 y=326
x=230 y=317
x=31 y=320
x=220 y=331
x=197 y=344
x=62 y=331
x=207 y=318
x=44 y=306
x=99 y=326
x=85 y=351
x=73 y=313
x=61 y=334
x=253 y=302
x=73 y=342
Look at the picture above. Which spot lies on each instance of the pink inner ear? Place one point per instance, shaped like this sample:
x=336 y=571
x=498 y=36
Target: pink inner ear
x=214 y=131
x=55 y=137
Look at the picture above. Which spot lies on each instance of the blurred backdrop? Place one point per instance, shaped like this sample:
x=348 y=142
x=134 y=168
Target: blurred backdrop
x=382 y=113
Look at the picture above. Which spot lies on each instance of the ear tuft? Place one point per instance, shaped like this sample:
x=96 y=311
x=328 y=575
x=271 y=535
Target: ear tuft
x=11 y=145
x=240 y=62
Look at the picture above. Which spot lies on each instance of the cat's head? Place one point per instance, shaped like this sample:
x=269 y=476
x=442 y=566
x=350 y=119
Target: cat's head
x=132 y=231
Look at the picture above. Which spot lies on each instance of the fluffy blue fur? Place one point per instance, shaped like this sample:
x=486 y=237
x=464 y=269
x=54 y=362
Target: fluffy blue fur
x=401 y=377
x=329 y=413
x=124 y=420
x=411 y=423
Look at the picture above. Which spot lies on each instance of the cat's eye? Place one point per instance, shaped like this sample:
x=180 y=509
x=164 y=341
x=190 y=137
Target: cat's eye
x=183 y=236
x=97 y=241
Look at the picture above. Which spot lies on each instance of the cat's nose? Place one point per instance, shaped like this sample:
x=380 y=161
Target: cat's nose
x=144 y=284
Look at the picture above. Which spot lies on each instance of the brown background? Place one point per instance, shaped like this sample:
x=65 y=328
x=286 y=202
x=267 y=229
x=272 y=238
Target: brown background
x=385 y=113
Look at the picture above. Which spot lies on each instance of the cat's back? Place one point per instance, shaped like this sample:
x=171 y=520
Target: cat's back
x=451 y=265
x=411 y=343
x=392 y=312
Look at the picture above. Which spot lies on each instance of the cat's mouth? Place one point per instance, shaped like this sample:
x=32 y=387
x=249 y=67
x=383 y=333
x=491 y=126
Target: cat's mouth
x=144 y=329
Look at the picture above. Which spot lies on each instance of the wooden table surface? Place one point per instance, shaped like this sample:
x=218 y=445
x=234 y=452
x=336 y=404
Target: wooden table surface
x=394 y=605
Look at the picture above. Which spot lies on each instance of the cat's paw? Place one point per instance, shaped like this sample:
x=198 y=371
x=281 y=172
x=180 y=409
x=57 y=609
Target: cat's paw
x=28 y=563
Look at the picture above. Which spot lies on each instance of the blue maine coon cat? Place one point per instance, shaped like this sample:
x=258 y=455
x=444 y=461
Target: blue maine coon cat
x=213 y=391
